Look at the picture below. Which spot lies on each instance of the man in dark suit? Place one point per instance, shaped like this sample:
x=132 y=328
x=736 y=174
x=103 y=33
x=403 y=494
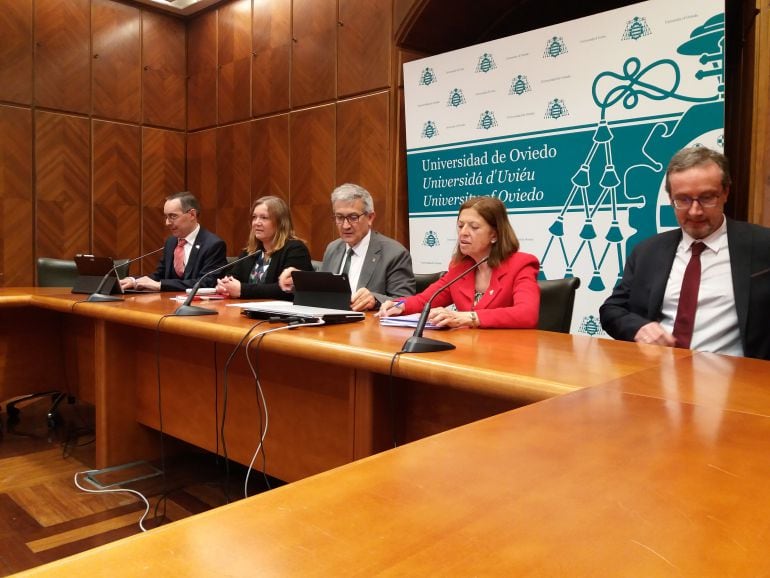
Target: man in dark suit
x=731 y=299
x=189 y=253
x=378 y=267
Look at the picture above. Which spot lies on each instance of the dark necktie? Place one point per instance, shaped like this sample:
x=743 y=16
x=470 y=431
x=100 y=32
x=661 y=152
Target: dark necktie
x=348 y=259
x=179 y=258
x=688 y=298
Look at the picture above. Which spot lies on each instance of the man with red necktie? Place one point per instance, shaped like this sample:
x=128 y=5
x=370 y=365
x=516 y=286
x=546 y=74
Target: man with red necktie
x=704 y=286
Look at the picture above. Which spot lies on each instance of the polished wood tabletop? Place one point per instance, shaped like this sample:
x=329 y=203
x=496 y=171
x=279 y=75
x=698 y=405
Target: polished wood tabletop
x=641 y=477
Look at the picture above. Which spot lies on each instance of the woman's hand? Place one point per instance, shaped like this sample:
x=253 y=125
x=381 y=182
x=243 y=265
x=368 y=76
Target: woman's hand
x=442 y=317
x=229 y=286
x=391 y=308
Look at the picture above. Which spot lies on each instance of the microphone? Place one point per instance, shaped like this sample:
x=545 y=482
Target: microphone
x=419 y=344
x=186 y=309
x=97 y=296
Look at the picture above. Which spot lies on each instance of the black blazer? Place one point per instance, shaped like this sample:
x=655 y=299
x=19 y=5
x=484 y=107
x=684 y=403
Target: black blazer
x=208 y=253
x=293 y=254
x=638 y=298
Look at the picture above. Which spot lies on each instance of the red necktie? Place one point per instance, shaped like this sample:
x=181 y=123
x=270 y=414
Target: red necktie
x=179 y=258
x=688 y=298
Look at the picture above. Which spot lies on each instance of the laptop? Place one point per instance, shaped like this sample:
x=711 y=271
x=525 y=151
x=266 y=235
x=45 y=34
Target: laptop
x=318 y=296
x=91 y=270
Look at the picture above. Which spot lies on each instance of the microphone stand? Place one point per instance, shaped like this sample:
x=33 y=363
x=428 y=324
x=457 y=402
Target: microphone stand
x=419 y=344
x=186 y=309
x=97 y=296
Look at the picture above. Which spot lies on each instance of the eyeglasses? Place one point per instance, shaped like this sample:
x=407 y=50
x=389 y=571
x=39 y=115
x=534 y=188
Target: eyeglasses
x=352 y=218
x=705 y=201
x=174 y=216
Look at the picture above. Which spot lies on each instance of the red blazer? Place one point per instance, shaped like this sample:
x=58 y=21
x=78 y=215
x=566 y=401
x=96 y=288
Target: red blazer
x=511 y=301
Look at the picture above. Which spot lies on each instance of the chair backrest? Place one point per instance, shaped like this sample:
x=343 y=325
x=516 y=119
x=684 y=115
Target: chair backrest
x=316 y=264
x=56 y=272
x=424 y=280
x=557 y=298
x=122 y=266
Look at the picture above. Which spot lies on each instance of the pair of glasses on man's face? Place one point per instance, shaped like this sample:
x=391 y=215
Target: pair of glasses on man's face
x=705 y=202
x=352 y=218
x=174 y=216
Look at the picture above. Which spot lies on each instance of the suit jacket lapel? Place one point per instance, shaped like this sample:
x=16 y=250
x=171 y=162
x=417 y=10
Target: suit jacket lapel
x=371 y=258
x=739 y=246
x=661 y=272
x=195 y=252
x=495 y=282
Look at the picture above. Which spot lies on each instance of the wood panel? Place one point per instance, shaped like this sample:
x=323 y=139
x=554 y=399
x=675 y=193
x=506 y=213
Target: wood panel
x=202 y=69
x=363 y=53
x=271 y=63
x=163 y=171
x=16 y=51
x=116 y=73
x=164 y=79
x=314 y=51
x=62 y=55
x=117 y=189
x=234 y=50
x=202 y=171
x=16 y=204
x=270 y=154
x=312 y=175
x=234 y=185
x=363 y=146
x=62 y=185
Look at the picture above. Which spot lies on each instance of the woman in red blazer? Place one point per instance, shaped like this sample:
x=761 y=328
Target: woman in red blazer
x=502 y=292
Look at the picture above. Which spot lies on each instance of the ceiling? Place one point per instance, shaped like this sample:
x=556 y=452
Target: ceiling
x=179 y=7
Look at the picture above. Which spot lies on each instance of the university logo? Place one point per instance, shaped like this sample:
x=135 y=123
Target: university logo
x=590 y=326
x=556 y=109
x=429 y=129
x=427 y=76
x=487 y=120
x=456 y=98
x=555 y=47
x=430 y=239
x=519 y=85
x=636 y=28
x=486 y=63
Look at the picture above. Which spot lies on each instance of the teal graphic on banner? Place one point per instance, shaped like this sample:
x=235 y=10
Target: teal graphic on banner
x=576 y=153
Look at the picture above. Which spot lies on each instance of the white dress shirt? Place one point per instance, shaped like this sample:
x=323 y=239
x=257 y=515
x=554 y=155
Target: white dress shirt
x=356 y=261
x=188 y=246
x=716 y=321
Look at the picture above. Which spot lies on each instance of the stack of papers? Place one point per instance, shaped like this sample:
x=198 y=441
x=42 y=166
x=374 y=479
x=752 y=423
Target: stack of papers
x=406 y=321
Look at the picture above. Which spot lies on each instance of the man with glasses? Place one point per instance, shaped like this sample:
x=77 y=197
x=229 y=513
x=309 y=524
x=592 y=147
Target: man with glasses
x=189 y=252
x=704 y=286
x=378 y=267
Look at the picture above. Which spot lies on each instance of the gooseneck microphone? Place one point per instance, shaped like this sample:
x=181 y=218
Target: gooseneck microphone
x=187 y=309
x=97 y=296
x=419 y=344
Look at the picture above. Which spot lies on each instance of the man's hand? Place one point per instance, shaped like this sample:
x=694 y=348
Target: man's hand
x=362 y=300
x=285 y=280
x=147 y=284
x=127 y=283
x=655 y=334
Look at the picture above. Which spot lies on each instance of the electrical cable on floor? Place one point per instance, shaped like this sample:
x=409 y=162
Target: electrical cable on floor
x=114 y=491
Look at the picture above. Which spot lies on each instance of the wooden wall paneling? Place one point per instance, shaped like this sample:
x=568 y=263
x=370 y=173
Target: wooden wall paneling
x=62 y=55
x=164 y=81
x=312 y=138
x=163 y=174
x=16 y=51
x=271 y=63
x=202 y=172
x=234 y=185
x=117 y=189
x=16 y=201
x=363 y=151
x=202 y=71
x=62 y=185
x=270 y=154
x=363 y=53
x=117 y=61
x=234 y=50
x=314 y=51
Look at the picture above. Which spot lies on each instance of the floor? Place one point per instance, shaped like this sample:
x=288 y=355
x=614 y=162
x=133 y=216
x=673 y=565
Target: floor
x=44 y=516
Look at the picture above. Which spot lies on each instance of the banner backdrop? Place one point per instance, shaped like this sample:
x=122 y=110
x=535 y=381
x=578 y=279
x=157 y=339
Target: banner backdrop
x=571 y=126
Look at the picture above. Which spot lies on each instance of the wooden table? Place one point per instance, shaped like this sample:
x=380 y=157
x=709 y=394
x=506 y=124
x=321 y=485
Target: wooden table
x=327 y=389
x=662 y=472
